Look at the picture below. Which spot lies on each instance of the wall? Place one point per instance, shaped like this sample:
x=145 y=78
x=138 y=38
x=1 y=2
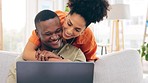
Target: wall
x=1 y=36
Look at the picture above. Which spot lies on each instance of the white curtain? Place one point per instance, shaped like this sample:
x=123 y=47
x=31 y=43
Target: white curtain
x=133 y=28
x=18 y=20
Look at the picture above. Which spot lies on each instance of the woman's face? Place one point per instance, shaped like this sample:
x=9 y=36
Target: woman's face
x=73 y=26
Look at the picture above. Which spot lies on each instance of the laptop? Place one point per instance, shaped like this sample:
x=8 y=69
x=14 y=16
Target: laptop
x=54 y=72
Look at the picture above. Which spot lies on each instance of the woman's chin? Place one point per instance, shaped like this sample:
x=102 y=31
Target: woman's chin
x=66 y=37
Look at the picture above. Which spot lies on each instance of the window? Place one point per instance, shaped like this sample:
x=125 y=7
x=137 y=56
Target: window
x=18 y=20
x=13 y=23
x=133 y=28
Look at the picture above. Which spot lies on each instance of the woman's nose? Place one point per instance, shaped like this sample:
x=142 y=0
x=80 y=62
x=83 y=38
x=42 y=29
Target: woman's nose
x=70 y=31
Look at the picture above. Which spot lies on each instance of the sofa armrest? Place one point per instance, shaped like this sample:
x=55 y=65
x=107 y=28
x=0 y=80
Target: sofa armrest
x=119 y=67
x=6 y=59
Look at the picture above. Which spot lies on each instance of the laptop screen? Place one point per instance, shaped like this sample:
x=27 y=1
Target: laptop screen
x=54 y=72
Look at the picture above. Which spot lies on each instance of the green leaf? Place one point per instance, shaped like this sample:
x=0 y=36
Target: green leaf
x=147 y=45
x=139 y=51
x=67 y=9
x=146 y=57
x=142 y=54
x=143 y=48
x=146 y=50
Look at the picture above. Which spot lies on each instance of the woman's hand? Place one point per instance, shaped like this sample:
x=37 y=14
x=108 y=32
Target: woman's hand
x=45 y=55
x=58 y=60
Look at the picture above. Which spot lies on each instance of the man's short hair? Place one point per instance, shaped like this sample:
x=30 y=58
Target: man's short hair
x=44 y=15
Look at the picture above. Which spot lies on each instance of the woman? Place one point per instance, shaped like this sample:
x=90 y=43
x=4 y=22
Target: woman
x=74 y=24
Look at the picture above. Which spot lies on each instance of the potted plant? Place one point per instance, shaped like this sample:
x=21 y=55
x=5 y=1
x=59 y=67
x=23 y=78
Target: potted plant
x=144 y=51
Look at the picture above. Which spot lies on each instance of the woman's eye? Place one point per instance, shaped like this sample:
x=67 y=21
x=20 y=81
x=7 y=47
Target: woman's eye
x=78 y=30
x=68 y=24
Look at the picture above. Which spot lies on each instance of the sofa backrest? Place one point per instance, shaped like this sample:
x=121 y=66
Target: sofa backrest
x=6 y=59
x=119 y=67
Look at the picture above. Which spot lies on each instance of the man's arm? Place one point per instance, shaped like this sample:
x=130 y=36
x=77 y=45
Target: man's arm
x=87 y=43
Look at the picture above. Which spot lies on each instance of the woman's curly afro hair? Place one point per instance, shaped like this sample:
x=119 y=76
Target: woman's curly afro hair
x=91 y=10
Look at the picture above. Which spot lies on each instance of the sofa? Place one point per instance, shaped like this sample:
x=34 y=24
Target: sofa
x=119 y=67
x=6 y=59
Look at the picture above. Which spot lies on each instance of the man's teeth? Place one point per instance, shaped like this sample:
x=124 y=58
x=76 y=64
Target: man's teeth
x=55 y=41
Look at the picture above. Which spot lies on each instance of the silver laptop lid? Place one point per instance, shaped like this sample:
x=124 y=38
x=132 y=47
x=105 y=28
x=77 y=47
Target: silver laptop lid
x=54 y=72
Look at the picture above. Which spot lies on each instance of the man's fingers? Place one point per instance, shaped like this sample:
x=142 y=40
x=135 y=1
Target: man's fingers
x=44 y=54
x=41 y=55
x=46 y=57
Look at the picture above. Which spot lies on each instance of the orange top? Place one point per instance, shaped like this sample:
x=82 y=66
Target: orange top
x=86 y=42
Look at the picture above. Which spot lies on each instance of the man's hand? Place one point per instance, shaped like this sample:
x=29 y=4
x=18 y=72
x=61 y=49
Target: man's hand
x=45 y=55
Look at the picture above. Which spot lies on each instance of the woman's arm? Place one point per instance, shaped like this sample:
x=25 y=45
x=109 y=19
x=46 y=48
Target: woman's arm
x=87 y=43
x=59 y=60
x=30 y=48
x=29 y=51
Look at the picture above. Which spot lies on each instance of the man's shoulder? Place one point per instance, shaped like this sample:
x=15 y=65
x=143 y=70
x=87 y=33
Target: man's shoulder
x=70 y=49
x=69 y=46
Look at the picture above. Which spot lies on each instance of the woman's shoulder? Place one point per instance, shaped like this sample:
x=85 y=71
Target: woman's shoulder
x=59 y=12
x=86 y=36
x=87 y=33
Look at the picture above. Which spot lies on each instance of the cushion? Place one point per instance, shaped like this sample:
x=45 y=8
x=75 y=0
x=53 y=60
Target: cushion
x=6 y=59
x=119 y=67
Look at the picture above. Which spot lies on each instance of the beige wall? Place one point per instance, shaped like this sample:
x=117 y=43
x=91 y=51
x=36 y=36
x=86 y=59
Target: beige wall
x=1 y=39
x=147 y=11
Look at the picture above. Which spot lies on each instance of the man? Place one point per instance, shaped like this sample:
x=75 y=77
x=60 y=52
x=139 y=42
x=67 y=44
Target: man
x=49 y=31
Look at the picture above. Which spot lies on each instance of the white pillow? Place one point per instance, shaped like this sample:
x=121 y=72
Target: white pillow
x=120 y=67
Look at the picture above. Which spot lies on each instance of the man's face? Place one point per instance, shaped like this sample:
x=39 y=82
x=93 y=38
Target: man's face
x=50 y=33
